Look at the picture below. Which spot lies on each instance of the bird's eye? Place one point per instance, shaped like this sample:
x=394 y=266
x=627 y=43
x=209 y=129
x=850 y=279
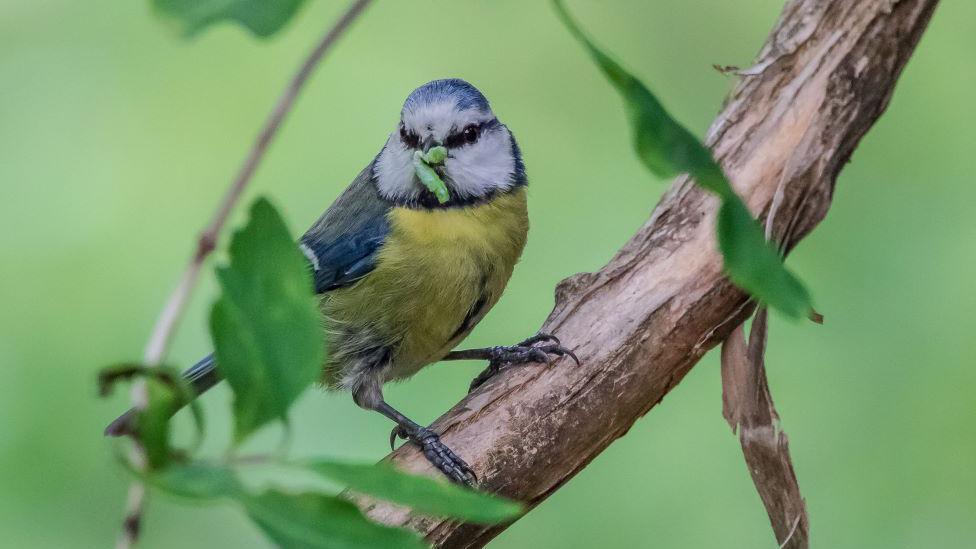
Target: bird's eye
x=409 y=138
x=470 y=134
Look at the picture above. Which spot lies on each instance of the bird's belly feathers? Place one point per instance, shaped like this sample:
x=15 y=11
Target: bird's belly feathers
x=438 y=273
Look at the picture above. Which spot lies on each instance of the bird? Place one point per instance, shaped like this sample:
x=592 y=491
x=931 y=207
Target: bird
x=403 y=275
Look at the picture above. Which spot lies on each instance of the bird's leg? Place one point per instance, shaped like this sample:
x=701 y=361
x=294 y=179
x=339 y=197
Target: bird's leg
x=434 y=450
x=501 y=357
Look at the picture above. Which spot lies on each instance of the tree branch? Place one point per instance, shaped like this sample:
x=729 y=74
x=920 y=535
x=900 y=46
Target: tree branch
x=170 y=316
x=823 y=77
x=748 y=407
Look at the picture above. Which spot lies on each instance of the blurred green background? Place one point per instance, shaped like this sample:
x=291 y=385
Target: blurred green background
x=117 y=138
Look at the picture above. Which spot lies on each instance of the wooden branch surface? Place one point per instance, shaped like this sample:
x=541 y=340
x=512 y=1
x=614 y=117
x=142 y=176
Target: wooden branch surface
x=824 y=75
x=748 y=407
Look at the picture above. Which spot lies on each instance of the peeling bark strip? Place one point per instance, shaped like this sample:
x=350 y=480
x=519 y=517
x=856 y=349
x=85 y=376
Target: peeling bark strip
x=638 y=325
x=748 y=406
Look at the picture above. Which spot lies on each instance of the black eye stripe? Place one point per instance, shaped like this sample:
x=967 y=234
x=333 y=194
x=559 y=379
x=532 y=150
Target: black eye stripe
x=457 y=137
x=454 y=140
x=409 y=139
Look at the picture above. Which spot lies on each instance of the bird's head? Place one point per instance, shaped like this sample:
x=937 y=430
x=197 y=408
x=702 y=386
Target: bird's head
x=482 y=156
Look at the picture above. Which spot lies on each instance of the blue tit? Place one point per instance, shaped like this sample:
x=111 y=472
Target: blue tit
x=403 y=277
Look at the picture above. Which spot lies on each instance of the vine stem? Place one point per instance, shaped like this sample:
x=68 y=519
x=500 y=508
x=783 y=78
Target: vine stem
x=169 y=318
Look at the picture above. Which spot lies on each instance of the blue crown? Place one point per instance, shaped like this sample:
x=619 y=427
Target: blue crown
x=465 y=95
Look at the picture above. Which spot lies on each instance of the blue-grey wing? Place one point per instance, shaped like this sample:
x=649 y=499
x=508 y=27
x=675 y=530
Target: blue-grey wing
x=342 y=246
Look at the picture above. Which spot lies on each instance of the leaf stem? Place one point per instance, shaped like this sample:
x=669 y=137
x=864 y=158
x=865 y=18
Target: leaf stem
x=170 y=316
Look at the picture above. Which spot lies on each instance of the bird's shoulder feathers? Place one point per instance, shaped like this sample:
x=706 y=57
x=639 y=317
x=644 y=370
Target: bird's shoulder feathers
x=342 y=245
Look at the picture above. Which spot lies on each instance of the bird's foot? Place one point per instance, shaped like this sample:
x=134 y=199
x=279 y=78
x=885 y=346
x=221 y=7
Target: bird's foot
x=500 y=358
x=437 y=453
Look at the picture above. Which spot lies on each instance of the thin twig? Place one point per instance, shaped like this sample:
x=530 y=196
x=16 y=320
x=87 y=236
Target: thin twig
x=176 y=304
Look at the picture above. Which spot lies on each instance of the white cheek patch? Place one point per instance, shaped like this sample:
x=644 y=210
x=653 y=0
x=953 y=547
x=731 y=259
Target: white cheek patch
x=483 y=167
x=394 y=170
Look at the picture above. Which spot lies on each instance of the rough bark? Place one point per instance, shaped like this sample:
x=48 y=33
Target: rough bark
x=823 y=77
x=748 y=407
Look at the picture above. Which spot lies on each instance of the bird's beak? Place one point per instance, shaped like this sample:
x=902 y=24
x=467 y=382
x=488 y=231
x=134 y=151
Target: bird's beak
x=426 y=145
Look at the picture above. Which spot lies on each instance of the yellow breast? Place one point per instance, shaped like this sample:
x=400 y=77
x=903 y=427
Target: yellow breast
x=434 y=267
x=494 y=226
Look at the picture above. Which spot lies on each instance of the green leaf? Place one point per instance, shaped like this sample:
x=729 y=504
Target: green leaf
x=197 y=480
x=423 y=494
x=266 y=326
x=311 y=520
x=757 y=264
x=261 y=17
x=667 y=149
x=168 y=393
x=152 y=424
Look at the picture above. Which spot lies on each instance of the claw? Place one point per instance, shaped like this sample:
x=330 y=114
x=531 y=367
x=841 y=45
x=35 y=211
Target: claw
x=540 y=355
x=397 y=432
x=573 y=356
x=559 y=350
x=484 y=376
